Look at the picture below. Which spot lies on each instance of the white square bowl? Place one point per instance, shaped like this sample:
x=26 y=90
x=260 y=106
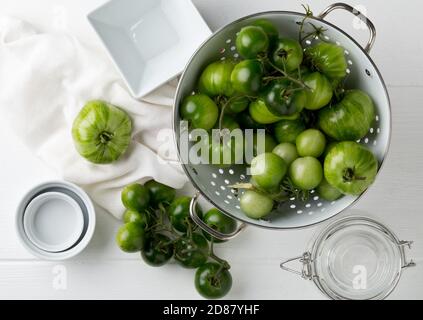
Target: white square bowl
x=150 y=41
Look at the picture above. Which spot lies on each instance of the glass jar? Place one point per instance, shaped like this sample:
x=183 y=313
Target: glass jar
x=354 y=258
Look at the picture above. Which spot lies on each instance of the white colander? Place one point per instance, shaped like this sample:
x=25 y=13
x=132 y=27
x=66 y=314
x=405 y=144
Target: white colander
x=214 y=183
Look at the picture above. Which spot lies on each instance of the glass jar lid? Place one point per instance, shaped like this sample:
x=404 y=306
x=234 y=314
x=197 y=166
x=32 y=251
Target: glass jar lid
x=355 y=258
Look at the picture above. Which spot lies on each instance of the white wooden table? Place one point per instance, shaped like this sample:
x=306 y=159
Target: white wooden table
x=102 y=271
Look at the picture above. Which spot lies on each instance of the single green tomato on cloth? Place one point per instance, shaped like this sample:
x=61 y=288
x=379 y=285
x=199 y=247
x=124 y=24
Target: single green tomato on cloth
x=101 y=132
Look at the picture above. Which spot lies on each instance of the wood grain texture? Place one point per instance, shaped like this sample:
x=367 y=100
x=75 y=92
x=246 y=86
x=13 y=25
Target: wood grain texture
x=102 y=271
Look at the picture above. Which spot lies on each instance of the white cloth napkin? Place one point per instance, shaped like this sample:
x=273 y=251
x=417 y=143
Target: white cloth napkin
x=46 y=78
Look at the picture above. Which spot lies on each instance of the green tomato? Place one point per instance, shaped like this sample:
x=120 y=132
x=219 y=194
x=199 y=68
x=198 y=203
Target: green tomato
x=329 y=59
x=287 y=151
x=350 y=167
x=220 y=222
x=268 y=27
x=328 y=148
x=287 y=54
x=213 y=282
x=327 y=191
x=216 y=79
x=311 y=142
x=228 y=122
x=157 y=250
x=284 y=98
x=246 y=77
x=261 y=114
x=135 y=197
x=101 y=132
x=160 y=193
x=320 y=92
x=192 y=252
x=226 y=152
x=247 y=122
x=200 y=111
x=268 y=169
x=288 y=130
x=254 y=148
x=130 y=237
x=350 y=119
x=251 y=41
x=178 y=213
x=306 y=173
x=237 y=104
x=256 y=205
x=137 y=217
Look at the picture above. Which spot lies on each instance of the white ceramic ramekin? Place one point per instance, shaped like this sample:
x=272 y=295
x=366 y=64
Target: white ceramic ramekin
x=70 y=194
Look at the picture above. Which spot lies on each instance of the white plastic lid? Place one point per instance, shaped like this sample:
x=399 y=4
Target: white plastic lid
x=53 y=221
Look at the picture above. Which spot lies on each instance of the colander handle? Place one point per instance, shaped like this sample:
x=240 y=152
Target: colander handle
x=362 y=17
x=221 y=236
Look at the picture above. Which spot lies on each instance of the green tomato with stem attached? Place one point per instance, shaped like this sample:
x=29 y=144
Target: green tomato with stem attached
x=212 y=280
x=287 y=54
x=283 y=97
x=329 y=59
x=157 y=250
x=350 y=167
x=101 y=132
x=192 y=252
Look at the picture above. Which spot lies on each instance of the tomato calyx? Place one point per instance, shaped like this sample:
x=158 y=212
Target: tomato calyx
x=349 y=175
x=105 y=137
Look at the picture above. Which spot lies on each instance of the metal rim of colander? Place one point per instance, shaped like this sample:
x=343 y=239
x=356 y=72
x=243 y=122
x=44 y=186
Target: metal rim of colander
x=176 y=116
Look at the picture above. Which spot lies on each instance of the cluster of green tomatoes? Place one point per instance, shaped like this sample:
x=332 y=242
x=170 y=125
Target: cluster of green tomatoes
x=158 y=224
x=296 y=92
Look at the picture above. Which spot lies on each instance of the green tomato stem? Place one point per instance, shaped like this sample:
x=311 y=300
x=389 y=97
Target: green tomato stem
x=105 y=137
x=349 y=175
x=287 y=76
x=224 y=265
